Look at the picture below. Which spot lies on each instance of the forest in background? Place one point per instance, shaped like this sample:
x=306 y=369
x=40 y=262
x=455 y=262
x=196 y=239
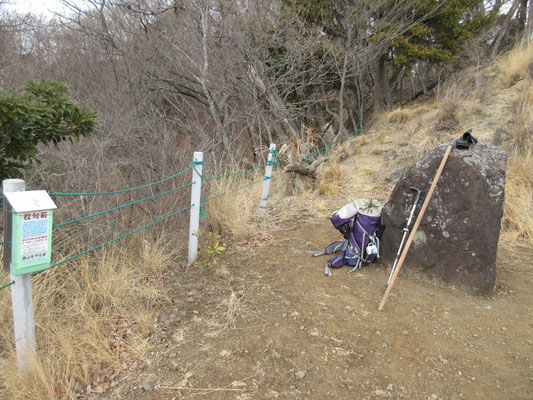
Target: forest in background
x=167 y=78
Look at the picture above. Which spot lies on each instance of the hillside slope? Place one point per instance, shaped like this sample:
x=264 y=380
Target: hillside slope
x=265 y=323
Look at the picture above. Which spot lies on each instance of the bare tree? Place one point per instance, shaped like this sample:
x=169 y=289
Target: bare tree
x=495 y=46
x=528 y=32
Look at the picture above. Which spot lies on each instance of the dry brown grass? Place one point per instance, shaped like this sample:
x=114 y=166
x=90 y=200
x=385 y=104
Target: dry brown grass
x=517 y=220
x=522 y=112
x=330 y=179
x=448 y=99
x=513 y=70
x=298 y=147
x=368 y=171
x=420 y=145
x=234 y=212
x=92 y=317
x=515 y=65
x=233 y=306
x=400 y=115
x=345 y=150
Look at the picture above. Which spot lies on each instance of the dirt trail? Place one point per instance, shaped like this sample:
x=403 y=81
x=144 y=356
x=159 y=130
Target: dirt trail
x=277 y=328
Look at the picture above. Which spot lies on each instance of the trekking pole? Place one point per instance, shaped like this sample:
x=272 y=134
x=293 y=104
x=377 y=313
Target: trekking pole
x=405 y=231
x=415 y=227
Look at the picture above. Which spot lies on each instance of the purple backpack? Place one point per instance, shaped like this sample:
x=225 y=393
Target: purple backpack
x=360 y=224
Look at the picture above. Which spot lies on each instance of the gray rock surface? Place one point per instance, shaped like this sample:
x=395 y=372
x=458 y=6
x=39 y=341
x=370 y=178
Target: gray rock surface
x=148 y=386
x=300 y=374
x=457 y=240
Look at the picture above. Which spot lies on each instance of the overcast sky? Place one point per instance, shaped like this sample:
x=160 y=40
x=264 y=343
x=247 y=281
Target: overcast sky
x=38 y=7
x=47 y=7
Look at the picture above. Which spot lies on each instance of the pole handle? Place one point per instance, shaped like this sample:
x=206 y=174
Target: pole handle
x=418 y=193
x=412 y=213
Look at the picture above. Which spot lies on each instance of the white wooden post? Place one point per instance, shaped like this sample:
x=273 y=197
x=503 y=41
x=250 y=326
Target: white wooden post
x=21 y=299
x=196 y=192
x=268 y=175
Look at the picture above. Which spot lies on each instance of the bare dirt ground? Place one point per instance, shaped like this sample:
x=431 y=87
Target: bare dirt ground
x=274 y=327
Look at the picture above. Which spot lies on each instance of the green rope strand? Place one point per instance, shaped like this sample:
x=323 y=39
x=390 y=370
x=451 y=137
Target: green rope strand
x=271 y=162
x=293 y=177
x=214 y=197
x=248 y=185
x=8 y=285
x=122 y=206
x=234 y=173
x=123 y=190
x=326 y=148
x=278 y=189
x=114 y=240
x=194 y=164
x=225 y=193
x=234 y=190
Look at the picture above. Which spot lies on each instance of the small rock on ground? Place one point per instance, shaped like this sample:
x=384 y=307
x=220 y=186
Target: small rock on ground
x=300 y=374
x=148 y=386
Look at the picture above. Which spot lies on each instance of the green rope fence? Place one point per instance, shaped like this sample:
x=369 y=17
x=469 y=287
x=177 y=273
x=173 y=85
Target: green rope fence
x=122 y=206
x=202 y=213
x=272 y=162
x=233 y=173
x=122 y=190
x=136 y=202
x=114 y=240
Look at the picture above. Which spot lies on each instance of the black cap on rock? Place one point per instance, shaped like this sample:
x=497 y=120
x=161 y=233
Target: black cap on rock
x=466 y=140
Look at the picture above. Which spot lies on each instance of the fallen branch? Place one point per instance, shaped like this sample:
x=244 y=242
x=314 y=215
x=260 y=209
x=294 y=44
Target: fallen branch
x=302 y=168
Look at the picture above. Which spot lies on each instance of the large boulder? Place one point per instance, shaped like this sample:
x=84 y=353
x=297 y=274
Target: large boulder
x=457 y=240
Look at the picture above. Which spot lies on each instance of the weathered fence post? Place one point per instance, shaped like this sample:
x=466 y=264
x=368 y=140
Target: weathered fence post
x=268 y=176
x=196 y=193
x=21 y=291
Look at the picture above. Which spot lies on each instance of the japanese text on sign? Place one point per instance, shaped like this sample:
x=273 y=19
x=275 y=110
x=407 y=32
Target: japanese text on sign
x=34 y=246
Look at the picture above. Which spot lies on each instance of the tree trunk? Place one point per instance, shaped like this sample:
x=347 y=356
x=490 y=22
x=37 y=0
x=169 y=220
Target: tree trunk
x=503 y=30
x=382 y=95
x=528 y=32
x=521 y=16
x=278 y=108
x=341 y=96
x=219 y=126
x=359 y=90
x=343 y=83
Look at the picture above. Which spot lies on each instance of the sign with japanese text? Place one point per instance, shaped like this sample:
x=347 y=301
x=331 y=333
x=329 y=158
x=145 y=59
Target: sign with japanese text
x=34 y=244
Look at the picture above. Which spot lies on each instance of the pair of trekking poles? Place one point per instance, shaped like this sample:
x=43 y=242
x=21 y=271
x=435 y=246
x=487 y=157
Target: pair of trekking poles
x=405 y=231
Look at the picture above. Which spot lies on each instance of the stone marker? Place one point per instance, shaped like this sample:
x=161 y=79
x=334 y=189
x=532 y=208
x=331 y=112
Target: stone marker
x=457 y=240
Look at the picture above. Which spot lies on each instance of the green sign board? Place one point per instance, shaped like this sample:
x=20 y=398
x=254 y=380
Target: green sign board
x=31 y=231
